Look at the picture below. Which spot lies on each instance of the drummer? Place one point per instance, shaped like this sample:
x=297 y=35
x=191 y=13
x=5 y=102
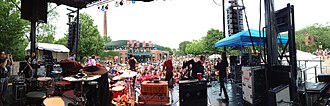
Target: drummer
x=98 y=96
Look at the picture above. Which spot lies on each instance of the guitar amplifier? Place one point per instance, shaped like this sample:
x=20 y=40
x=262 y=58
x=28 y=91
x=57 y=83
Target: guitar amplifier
x=154 y=93
x=19 y=91
x=193 y=93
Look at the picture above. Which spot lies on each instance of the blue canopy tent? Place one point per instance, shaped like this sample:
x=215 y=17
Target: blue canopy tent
x=243 y=39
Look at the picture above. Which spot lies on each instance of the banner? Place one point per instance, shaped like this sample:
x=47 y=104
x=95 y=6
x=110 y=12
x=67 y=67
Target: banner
x=137 y=43
x=144 y=44
x=133 y=41
x=128 y=42
x=150 y=44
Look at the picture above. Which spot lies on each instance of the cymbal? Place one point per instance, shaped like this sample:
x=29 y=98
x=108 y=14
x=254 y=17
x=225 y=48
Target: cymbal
x=116 y=78
x=129 y=74
x=44 y=78
x=118 y=88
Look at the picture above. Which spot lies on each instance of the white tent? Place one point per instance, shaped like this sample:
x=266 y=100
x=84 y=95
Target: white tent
x=307 y=60
x=59 y=52
x=214 y=56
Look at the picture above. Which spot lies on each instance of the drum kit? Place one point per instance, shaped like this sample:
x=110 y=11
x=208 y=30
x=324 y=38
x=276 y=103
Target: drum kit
x=121 y=89
x=46 y=96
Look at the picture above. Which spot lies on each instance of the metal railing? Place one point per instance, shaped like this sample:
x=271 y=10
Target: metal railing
x=304 y=73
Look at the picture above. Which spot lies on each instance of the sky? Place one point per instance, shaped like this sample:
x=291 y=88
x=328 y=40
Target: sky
x=169 y=22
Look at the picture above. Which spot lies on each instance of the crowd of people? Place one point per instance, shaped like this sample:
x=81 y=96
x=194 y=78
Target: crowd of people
x=171 y=69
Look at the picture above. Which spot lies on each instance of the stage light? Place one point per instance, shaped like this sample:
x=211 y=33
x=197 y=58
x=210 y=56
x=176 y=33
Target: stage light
x=121 y=3
x=102 y=8
x=116 y=5
x=106 y=7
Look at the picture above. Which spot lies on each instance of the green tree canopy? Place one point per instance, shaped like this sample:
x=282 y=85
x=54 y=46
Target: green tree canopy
x=213 y=35
x=321 y=34
x=91 y=41
x=183 y=46
x=12 y=30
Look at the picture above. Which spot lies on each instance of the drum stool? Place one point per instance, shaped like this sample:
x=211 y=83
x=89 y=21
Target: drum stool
x=61 y=85
x=35 y=98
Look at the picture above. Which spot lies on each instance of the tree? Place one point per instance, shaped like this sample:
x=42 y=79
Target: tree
x=169 y=50
x=62 y=41
x=183 y=46
x=91 y=42
x=321 y=34
x=196 y=47
x=12 y=30
x=213 y=35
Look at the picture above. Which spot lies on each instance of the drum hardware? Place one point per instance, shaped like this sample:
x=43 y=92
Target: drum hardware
x=36 y=97
x=81 y=79
x=57 y=101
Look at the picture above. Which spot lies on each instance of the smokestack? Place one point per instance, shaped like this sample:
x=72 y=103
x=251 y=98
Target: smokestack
x=105 y=24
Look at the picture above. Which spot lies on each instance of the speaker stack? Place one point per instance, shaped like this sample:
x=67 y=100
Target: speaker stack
x=193 y=93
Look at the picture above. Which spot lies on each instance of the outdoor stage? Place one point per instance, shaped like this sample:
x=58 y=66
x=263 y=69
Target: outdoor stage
x=214 y=99
x=234 y=93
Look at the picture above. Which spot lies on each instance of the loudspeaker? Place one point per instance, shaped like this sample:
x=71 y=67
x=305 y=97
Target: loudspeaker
x=193 y=93
x=34 y=10
x=279 y=95
x=19 y=91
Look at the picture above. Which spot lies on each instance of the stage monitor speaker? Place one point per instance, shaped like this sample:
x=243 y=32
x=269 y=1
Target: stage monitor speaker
x=34 y=10
x=19 y=90
x=193 y=93
x=279 y=96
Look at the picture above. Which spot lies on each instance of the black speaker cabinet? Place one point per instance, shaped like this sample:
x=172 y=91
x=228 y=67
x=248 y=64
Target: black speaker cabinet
x=19 y=91
x=34 y=10
x=193 y=93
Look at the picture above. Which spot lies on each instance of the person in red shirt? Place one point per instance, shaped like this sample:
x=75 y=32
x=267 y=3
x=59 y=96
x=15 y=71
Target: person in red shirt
x=168 y=67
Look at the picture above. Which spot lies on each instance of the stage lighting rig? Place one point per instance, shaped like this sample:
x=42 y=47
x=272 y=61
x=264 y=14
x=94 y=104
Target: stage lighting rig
x=74 y=3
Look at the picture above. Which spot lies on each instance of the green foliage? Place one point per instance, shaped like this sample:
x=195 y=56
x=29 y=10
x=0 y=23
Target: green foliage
x=196 y=47
x=12 y=30
x=183 y=46
x=91 y=42
x=109 y=54
x=213 y=35
x=169 y=50
x=319 y=31
x=62 y=41
x=203 y=46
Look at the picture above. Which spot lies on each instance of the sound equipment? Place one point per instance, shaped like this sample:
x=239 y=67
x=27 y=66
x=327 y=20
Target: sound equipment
x=154 y=93
x=279 y=96
x=19 y=91
x=250 y=59
x=253 y=84
x=324 y=78
x=34 y=10
x=193 y=93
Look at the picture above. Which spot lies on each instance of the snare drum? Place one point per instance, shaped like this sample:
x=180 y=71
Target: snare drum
x=56 y=101
x=118 y=91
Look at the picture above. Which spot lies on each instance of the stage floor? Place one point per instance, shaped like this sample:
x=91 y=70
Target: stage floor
x=234 y=93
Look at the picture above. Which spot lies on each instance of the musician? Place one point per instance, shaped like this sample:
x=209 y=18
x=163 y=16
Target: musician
x=222 y=67
x=4 y=61
x=98 y=96
x=132 y=66
x=197 y=67
x=168 y=67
